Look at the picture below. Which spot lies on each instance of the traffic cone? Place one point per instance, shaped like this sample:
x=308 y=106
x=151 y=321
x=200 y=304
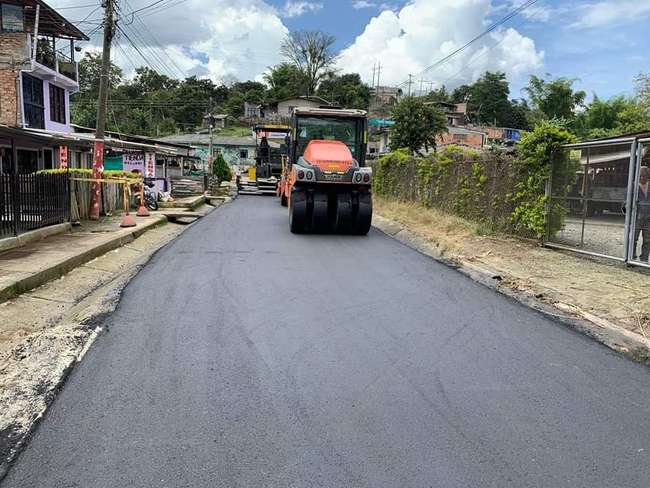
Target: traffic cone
x=142 y=210
x=127 y=220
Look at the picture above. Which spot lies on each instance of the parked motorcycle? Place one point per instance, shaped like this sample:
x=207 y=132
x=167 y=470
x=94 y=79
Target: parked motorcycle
x=150 y=196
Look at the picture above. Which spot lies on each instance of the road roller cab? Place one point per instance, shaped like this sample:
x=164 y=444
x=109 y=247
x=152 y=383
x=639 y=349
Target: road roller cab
x=326 y=183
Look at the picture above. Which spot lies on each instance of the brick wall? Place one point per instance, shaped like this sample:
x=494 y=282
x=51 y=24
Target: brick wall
x=14 y=55
x=471 y=139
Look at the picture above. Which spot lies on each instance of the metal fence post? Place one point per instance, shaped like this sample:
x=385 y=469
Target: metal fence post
x=629 y=202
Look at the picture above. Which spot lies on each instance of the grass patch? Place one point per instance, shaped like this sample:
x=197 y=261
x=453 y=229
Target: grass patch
x=235 y=131
x=449 y=232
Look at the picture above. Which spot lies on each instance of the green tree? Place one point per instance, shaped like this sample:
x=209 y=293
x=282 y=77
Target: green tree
x=488 y=99
x=285 y=80
x=555 y=99
x=90 y=68
x=461 y=94
x=221 y=169
x=517 y=116
x=440 y=95
x=346 y=90
x=416 y=125
x=311 y=52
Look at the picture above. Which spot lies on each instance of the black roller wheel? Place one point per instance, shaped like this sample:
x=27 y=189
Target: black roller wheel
x=298 y=212
x=363 y=215
x=320 y=220
x=343 y=219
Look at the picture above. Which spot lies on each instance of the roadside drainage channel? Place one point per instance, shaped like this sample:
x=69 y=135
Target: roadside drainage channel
x=631 y=345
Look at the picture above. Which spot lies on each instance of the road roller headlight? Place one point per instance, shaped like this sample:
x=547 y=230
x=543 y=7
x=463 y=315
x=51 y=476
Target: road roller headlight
x=305 y=175
x=362 y=176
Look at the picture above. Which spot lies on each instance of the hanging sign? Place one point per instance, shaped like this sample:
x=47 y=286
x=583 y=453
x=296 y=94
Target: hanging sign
x=63 y=157
x=150 y=165
x=133 y=162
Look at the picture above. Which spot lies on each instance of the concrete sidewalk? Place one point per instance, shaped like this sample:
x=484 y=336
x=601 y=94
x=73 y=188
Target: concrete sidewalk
x=36 y=263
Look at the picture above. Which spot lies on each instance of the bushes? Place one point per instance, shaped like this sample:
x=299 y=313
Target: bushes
x=463 y=182
x=220 y=169
x=502 y=191
x=540 y=150
x=88 y=173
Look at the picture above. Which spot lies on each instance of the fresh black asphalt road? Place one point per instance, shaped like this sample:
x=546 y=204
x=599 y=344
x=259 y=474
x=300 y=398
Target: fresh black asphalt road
x=245 y=356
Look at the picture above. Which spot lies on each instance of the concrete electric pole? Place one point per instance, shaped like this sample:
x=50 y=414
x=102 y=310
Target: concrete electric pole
x=98 y=153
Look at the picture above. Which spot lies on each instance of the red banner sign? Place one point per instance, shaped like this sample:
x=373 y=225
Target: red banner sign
x=150 y=165
x=63 y=157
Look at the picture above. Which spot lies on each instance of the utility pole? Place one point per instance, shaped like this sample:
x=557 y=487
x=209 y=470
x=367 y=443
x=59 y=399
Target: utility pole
x=410 y=82
x=374 y=70
x=211 y=122
x=378 y=74
x=421 y=81
x=98 y=157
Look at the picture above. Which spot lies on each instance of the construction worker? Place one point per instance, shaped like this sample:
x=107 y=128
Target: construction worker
x=642 y=224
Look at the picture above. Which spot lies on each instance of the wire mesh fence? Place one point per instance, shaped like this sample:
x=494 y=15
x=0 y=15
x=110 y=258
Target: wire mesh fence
x=599 y=200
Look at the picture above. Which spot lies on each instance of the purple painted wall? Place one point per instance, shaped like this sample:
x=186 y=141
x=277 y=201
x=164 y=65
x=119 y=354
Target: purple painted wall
x=50 y=125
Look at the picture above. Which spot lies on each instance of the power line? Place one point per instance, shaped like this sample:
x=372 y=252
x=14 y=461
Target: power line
x=77 y=6
x=494 y=26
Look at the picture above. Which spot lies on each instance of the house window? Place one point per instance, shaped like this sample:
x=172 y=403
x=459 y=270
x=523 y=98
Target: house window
x=33 y=102
x=243 y=153
x=57 y=104
x=12 y=17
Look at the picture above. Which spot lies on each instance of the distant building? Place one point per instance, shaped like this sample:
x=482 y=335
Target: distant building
x=220 y=120
x=385 y=95
x=462 y=136
x=237 y=151
x=282 y=109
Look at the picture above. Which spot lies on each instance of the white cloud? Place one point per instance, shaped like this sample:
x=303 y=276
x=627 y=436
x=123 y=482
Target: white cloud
x=539 y=12
x=359 y=4
x=296 y=9
x=425 y=31
x=612 y=12
x=229 y=39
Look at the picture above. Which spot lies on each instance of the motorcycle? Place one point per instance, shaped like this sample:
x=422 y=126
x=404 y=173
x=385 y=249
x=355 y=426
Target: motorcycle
x=150 y=196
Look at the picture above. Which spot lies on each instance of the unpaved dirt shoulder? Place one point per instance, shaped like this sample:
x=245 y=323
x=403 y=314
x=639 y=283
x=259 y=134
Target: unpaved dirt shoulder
x=46 y=331
x=586 y=295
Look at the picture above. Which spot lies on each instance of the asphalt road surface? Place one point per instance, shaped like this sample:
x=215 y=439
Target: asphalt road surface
x=245 y=356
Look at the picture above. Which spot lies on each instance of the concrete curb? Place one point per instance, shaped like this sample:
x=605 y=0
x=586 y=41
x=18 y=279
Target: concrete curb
x=62 y=267
x=33 y=235
x=192 y=204
x=615 y=337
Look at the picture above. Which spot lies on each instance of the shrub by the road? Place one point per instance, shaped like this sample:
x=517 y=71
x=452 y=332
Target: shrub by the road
x=503 y=191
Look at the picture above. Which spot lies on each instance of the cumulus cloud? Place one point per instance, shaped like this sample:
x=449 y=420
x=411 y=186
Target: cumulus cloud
x=612 y=12
x=229 y=40
x=296 y=9
x=359 y=4
x=424 y=31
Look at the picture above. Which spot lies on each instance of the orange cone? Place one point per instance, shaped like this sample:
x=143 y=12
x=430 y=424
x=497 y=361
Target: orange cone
x=127 y=220
x=142 y=211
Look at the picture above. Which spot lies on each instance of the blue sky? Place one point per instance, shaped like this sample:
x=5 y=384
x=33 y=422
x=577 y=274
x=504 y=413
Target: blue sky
x=603 y=55
x=601 y=43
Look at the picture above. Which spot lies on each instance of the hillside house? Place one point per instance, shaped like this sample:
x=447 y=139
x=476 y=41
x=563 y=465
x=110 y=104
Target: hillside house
x=281 y=110
x=38 y=70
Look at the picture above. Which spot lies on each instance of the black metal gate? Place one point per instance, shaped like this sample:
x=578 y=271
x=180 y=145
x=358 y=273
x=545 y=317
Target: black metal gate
x=31 y=201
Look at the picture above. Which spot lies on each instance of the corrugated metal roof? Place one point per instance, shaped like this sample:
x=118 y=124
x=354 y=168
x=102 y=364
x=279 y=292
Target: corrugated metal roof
x=204 y=140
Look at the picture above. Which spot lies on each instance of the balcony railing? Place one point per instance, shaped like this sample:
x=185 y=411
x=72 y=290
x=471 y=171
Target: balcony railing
x=55 y=60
